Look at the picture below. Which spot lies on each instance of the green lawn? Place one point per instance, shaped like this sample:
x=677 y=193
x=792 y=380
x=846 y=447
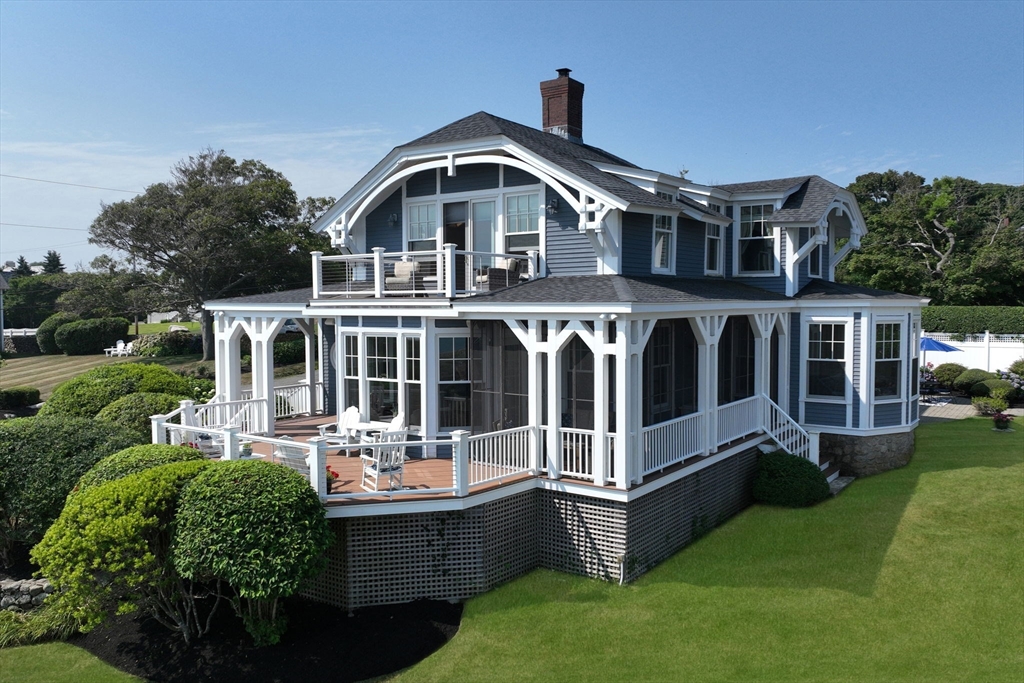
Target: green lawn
x=46 y=372
x=913 y=575
x=153 y=328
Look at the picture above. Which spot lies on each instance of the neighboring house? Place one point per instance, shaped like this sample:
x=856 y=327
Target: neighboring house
x=600 y=350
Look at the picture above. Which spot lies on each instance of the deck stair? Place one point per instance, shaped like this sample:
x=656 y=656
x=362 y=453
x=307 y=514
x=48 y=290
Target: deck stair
x=794 y=439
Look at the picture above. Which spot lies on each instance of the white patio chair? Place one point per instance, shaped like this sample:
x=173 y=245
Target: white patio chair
x=292 y=457
x=343 y=434
x=117 y=350
x=386 y=460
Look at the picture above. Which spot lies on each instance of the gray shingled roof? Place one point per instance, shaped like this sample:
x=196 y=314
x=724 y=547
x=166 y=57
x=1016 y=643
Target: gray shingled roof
x=809 y=203
x=774 y=185
x=289 y=296
x=591 y=289
x=820 y=289
x=571 y=156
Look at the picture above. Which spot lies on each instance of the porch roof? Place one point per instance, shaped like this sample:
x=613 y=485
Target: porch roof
x=289 y=296
x=625 y=289
x=820 y=289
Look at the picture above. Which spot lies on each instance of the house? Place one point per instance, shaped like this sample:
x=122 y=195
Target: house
x=588 y=356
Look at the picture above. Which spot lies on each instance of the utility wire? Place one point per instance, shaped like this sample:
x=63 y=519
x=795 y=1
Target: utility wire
x=42 y=227
x=57 y=182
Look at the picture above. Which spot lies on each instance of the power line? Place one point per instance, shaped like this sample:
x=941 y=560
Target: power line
x=42 y=227
x=57 y=182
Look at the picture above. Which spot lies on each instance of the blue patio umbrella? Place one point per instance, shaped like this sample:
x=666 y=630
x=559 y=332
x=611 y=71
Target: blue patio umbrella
x=929 y=344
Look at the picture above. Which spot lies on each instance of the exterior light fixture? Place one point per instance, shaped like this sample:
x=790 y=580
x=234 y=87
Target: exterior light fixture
x=552 y=206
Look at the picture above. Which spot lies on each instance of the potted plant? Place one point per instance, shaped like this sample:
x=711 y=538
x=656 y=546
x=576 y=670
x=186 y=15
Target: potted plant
x=245 y=448
x=332 y=476
x=1002 y=420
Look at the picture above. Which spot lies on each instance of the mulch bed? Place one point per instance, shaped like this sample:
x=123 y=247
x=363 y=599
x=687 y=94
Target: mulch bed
x=322 y=643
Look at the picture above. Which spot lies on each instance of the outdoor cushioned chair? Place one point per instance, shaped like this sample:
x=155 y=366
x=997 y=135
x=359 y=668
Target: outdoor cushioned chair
x=404 y=277
x=384 y=461
x=505 y=273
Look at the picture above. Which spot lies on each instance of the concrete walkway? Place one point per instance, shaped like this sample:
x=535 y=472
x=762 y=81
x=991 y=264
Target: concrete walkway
x=943 y=408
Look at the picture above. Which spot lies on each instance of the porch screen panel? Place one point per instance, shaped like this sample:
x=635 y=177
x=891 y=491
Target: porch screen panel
x=577 y=385
x=499 y=373
x=736 y=361
x=670 y=372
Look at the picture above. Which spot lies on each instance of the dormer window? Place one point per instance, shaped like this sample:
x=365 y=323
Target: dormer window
x=756 y=247
x=664 y=245
x=713 y=245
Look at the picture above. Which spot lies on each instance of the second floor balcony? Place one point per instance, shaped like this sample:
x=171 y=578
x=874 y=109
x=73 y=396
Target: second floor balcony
x=447 y=272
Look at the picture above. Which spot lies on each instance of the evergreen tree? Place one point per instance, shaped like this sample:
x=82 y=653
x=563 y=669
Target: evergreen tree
x=52 y=264
x=23 y=268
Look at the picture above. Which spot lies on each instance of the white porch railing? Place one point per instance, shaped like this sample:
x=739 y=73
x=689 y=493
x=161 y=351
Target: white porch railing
x=499 y=455
x=445 y=272
x=291 y=400
x=577 y=452
x=668 y=443
x=245 y=414
x=789 y=435
x=738 y=419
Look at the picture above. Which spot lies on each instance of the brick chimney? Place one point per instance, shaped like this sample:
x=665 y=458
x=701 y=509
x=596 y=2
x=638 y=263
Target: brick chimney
x=562 y=103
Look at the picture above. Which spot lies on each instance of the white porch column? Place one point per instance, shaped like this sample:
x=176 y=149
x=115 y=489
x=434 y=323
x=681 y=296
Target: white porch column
x=262 y=333
x=600 y=404
x=308 y=328
x=227 y=361
x=534 y=383
x=554 y=402
x=708 y=330
x=623 y=446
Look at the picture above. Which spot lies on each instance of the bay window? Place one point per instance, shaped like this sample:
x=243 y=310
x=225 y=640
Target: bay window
x=756 y=240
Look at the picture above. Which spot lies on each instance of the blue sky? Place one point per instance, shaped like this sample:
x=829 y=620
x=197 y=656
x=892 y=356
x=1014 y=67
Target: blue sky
x=112 y=94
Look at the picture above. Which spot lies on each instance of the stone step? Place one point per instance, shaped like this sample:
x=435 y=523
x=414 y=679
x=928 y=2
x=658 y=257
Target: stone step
x=831 y=474
x=836 y=486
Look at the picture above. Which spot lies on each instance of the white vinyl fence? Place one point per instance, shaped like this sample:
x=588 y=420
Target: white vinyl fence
x=986 y=351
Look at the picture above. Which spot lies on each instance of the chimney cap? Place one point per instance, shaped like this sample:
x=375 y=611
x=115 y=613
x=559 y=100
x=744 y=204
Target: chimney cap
x=564 y=73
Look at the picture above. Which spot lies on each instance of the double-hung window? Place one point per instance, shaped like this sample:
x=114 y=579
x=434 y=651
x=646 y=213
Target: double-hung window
x=713 y=245
x=826 y=360
x=422 y=227
x=814 y=262
x=887 y=360
x=453 y=385
x=662 y=258
x=382 y=376
x=756 y=240
x=522 y=222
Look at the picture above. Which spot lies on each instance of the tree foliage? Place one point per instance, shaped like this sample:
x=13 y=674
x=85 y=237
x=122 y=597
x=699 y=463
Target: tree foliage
x=22 y=269
x=31 y=300
x=218 y=228
x=52 y=264
x=92 y=391
x=957 y=241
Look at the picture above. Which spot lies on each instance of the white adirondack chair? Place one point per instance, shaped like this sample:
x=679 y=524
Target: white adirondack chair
x=385 y=461
x=116 y=350
x=292 y=457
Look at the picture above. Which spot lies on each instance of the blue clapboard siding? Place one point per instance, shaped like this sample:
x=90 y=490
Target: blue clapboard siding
x=690 y=248
x=515 y=177
x=378 y=231
x=569 y=252
x=888 y=414
x=913 y=410
x=637 y=233
x=380 y=321
x=422 y=184
x=828 y=414
x=328 y=335
x=909 y=362
x=795 y=365
x=470 y=177
x=857 y=374
x=412 y=321
x=443 y=322
x=350 y=321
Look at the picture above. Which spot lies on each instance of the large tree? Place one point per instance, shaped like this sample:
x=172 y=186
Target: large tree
x=52 y=264
x=23 y=269
x=957 y=241
x=218 y=228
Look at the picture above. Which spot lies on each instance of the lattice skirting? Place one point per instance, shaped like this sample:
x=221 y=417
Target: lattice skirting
x=455 y=555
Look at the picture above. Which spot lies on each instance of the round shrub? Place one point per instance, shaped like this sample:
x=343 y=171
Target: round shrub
x=132 y=461
x=788 y=481
x=87 y=337
x=988 y=406
x=47 y=328
x=177 y=343
x=947 y=373
x=289 y=352
x=134 y=410
x=259 y=527
x=1017 y=367
x=986 y=387
x=18 y=397
x=41 y=460
x=969 y=378
x=108 y=549
x=92 y=391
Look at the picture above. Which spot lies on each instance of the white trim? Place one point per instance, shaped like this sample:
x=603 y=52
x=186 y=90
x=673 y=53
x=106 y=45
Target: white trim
x=672 y=241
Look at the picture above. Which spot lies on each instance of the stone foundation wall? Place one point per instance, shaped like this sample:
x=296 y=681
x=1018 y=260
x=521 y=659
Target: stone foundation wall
x=862 y=456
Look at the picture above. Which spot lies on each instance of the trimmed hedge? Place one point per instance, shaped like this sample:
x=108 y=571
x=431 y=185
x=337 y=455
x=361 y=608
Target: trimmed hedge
x=969 y=378
x=988 y=406
x=18 y=397
x=289 y=352
x=131 y=461
x=92 y=391
x=46 y=330
x=21 y=346
x=88 y=337
x=973 y=319
x=178 y=343
x=41 y=460
x=1017 y=367
x=134 y=410
x=789 y=481
x=947 y=373
x=997 y=388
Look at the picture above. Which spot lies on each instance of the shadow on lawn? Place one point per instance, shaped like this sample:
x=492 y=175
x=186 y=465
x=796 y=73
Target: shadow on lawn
x=841 y=543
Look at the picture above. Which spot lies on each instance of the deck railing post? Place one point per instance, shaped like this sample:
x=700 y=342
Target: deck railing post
x=378 y=272
x=813 y=454
x=188 y=413
x=159 y=433
x=318 y=278
x=533 y=271
x=317 y=461
x=231 y=450
x=449 y=269
x=460 y=462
